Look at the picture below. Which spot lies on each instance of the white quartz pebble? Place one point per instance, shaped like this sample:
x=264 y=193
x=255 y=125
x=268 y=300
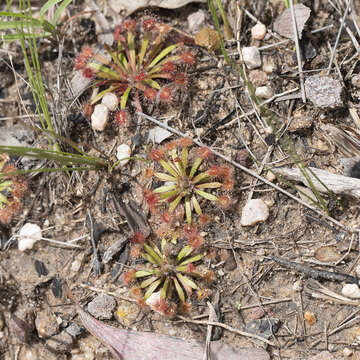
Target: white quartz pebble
x=123 y=152
x=100 y=117
x=258 y=32
x=252 y=57
x=264 y=92
x=351 y=291
x=29 y=234
x=254 y=211
x=111 y=101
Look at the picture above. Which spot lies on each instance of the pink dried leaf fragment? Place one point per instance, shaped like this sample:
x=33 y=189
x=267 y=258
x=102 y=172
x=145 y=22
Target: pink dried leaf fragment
x=283 y=24
x=133 y=345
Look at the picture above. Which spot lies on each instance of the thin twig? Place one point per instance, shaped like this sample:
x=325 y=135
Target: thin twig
x=338 y=37
x=227 y=327
x=298 y=51
x=252 y=173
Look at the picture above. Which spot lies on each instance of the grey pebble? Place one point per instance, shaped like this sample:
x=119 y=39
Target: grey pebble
x=324 y=91
x=102 y=307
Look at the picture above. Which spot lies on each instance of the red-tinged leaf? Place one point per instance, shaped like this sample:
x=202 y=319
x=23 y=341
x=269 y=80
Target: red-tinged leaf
x=134 y=345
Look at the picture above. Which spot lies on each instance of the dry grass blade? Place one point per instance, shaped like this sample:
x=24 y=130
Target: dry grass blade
x=339 y=184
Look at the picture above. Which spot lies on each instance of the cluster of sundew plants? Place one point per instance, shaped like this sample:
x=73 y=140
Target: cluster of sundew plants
x=12 y=190
x=191 y=178
x=138 y=64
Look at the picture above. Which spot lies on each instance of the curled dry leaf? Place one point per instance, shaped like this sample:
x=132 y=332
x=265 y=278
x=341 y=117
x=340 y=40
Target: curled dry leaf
x=283 y=24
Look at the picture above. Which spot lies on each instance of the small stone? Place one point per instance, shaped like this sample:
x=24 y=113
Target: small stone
x=76 y=264
x=102 y=307
x=347 y=352
x=351 y=291
x=242 y=157
x=270 y=176
x=256 y=313
x=264 y=92
x=355 y=80
x=123 y=154
x=196 y=21
x=265 y=328
x=111 y=101
x=74 y=330
x=258 y=31
x=324 y=91
x=258 y=77
x=251 y=56
x=228 y=257
x=100 y=117
x=29 y=234
x=172 y=332
x=60 y=342
x=221 y=272
x=300 y=123
x=268 y=68
x=254 y=211
x=46 y=324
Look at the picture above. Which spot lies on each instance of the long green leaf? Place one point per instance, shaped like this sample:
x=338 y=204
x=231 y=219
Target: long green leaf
x=104 y=69
x=206 y=195
x=60 y=9
x=47 y=6
x=188 y=210
x=165 y=177
x=48 y=170
x=165 y=288
x=179 y=289
x=184 y=252
x=158 y=260
x=164 y=188
x=196 y=205
x=148 y=281
x=61 y=157
x=163 y=53
x=142 y=52
x=15 y=24
x=124 y=98
x=152 y=288
x=192 y=259
x=186 y=282
x=175 y=203
x=169 y=168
